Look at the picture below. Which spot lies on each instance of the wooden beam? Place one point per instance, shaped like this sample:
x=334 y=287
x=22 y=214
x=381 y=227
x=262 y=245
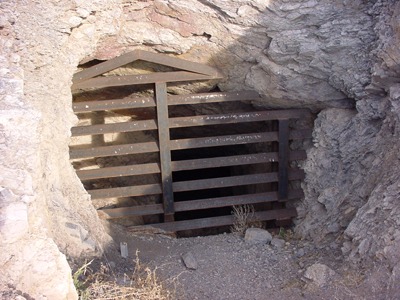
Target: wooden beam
x=283 y=160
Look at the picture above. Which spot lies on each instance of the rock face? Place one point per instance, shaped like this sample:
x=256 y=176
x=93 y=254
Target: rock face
x=341 y=57
x=353 y=184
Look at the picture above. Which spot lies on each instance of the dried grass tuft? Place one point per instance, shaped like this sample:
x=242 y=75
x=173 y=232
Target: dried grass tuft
x=244 y=218
x=142 y=284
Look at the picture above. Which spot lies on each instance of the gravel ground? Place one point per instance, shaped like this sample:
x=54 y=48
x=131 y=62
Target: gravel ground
x=228 y=267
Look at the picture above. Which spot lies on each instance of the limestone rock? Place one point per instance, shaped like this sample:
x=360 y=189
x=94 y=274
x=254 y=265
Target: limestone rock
x=319 y=274
x=257 y=236
x=189 y=260
x=278 y=243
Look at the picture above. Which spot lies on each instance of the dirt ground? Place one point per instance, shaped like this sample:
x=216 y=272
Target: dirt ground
x=228 y=267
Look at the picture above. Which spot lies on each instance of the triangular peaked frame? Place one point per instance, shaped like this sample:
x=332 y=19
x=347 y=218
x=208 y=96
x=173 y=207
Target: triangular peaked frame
x=189 y=71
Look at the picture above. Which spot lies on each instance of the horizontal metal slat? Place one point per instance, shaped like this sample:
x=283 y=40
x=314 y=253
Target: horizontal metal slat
x=224 y=140
x=201 y=184
x=123 y=212
x=230 y=118
x=102 y=82
x=215 y=162
x=131 y=170
x=146 y=56
x=140 y=190
x=237 y=160
x=114 y=128
x=114 y=150
x=219 y=221
x=212 y=97
x=234 y=200
x=220 y=182
x=113 y=104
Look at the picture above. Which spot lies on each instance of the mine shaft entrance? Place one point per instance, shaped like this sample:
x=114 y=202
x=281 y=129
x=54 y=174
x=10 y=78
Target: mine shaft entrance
x=187 y=159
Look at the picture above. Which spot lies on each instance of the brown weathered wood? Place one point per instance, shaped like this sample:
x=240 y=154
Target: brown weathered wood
x=140 y=190
x=109 y=81
x=114 y=150
x=114 y=104
x=135 y=55
x=165 y=152
x=114 y=128
x=219 y=221
x=124 y=212
x=224 y=140
x=140 y=169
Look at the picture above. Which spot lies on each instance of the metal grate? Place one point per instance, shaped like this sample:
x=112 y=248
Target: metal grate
x=275 y=179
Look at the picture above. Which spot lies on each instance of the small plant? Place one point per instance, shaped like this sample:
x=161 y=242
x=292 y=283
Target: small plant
x=79 y=283
x=143 y=284
x=244 y=218
x=285 y=234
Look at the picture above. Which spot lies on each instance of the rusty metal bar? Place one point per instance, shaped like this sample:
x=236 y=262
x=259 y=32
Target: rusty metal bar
x=141 y=169
x=236 y=160
x=225 y=161
x=220 y=182
x=220 y=221
x=114 y=150
x=233 y=118
x=151 y=209
x=165 y=152
x=204 y=98
x=114 y=128
x=223 y=140
x=123 y=212
x=109 y=81
x=140 y=190
x=135 y=55
x=114 y=104
x=283 y=181
x=234 y=200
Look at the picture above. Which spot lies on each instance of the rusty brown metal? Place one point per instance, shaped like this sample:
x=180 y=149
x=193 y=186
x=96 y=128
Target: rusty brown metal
x=114 y=128
x=165 y=151
x=157 y=58
x=220 y=221
x=274 y=183
x=109 y=81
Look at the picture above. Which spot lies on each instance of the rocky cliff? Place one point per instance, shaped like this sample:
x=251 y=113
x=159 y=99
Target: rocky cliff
x=339 y=58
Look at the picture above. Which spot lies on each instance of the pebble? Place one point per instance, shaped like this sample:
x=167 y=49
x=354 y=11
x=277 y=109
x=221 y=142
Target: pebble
x=278 y=243
x=189 y=260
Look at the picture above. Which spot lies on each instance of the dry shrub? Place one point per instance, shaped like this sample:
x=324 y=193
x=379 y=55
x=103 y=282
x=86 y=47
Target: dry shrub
x=244 y=218
x=143 y=284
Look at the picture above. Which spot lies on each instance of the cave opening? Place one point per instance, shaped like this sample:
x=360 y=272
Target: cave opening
x=221 y=152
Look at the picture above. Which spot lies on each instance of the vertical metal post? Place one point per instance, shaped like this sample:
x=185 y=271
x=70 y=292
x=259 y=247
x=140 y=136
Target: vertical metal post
x=165 y=153
x=283 y=155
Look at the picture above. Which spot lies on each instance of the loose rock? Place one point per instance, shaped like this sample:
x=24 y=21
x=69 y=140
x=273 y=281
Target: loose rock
x=278 y=243
x=257 y=236
x=319 y=274
x=189 y=260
